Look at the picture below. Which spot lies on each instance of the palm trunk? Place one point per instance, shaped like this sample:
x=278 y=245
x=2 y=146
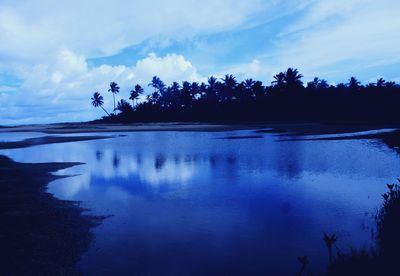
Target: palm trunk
x=114 y=101
x=105 y=111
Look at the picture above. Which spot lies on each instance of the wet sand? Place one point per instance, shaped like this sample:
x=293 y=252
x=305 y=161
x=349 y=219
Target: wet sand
x=291 y=128
x=90 y=127
x=39 y=234
x=48 y=140
x=391 y=138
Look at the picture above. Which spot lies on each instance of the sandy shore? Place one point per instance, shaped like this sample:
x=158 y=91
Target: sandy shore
x=39 y=234
x=48 y=140
x=90 y=128
x=293 y=128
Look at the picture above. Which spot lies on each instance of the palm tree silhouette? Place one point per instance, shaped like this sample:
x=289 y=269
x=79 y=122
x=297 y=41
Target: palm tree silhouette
x=114 y=89
x=98 y=101
x=135 y=93
x=229 y=81
x=124 y=106
x=317 y=83
x=329 y=242
x=293 y=79
x=157 y=84
x=186 y=94
x=380 y=82
x=354 y=84
x=248 y=83
x=259 y=90
x=229 y=85
x=211 y=90
x=279 y=81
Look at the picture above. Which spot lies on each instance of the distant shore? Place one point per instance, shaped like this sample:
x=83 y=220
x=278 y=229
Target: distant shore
x=293 y=128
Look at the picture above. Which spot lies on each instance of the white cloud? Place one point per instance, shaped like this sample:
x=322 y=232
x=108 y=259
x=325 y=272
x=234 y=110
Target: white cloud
x=60 y=90
x=45 y=44
x=34 y=29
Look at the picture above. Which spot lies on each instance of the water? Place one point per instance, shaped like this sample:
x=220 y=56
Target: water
x=192 y=203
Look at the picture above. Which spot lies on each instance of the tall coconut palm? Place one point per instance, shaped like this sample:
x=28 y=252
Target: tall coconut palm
x=98 y=101
x=114 y=89
x=135 y=93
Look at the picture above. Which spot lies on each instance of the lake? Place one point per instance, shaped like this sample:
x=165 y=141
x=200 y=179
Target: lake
x=197 y=203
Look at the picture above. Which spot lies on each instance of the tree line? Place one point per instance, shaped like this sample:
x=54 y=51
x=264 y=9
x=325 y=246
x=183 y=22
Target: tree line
x=287 y=98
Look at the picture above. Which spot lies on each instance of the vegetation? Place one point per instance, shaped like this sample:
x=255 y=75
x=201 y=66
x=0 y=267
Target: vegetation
x=98 y=101
x=285 y=99
x=381 y=260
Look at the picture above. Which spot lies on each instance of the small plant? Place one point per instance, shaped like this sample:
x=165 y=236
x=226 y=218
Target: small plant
x=329 y=242
x=304 y=263
x=388 y=226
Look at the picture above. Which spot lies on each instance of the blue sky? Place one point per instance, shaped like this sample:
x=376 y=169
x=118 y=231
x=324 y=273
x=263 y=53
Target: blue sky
x=53 y=56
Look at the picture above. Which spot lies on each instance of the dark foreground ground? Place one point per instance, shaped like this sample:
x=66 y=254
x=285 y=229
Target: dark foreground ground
x=39 y=234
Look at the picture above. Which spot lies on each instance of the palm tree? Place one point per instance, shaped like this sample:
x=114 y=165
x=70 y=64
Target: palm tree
x=98 y=101
x=293 y=79
x=329 y=242
x=279 y=81
x=157 y=84
x=317 y=83
x=195 y=90
x=159 y=88
x=245 y=90
x=229 y=85
x=175 y=94
x=380 y=82
x=135 y=93
x=212 y=82
x=124 y=106
x=211 y=91
x=323 y=84
x=248 y=83
x=229 y=81
x=354 y=84
x=114 y=89
x=313 y=85
x=259 y=90
x=186 y=94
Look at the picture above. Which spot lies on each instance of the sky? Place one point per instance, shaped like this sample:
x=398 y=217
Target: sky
x=55 y=54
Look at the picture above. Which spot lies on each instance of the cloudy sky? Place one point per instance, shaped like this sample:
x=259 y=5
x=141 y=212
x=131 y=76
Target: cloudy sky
x=55 y=54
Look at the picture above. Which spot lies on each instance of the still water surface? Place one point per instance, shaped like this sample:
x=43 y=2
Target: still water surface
x=187 y=203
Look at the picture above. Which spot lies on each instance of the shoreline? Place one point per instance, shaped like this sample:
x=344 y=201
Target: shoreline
x=306 y=128
x=30 y=142
x=39 y=232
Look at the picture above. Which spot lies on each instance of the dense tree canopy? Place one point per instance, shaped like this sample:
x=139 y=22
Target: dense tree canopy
x=286 y=99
